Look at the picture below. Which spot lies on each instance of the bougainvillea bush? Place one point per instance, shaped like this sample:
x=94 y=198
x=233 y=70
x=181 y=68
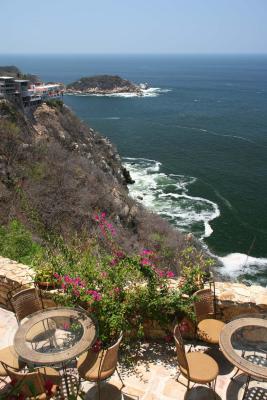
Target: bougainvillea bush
x=122 y=291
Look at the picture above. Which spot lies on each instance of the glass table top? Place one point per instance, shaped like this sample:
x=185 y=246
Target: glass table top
x=55 y=335
x=250 y=343
x=244 y=343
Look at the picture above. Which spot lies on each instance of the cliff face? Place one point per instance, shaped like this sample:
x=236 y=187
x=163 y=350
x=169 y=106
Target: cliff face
x=58 y=171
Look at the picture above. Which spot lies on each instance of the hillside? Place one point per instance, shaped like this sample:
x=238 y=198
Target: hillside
x=102 y=84
x=11 y=70
x=57 y=173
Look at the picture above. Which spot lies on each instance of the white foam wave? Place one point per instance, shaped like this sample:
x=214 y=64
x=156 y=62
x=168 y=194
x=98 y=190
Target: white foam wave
x=168 y=196
x=150 y=92
x=213 y=133
x=111 y=118
x=236 y=264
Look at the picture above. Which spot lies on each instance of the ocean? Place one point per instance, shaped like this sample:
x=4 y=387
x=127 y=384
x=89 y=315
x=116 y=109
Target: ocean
x=196 y=143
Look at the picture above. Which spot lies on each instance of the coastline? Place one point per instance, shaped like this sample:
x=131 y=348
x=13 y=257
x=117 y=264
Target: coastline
x=149 y=191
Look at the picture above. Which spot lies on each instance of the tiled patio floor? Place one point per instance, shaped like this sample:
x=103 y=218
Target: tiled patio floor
x=153 y=376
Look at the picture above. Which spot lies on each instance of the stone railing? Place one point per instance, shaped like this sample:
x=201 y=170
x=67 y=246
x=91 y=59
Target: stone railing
x=232 y=299
x=12 y=275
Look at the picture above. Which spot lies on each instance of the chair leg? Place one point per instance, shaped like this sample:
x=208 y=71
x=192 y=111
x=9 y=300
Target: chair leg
x=236 y=372
x=246 y=387
x=188 y=385
x=120 y=377
x=98 y=389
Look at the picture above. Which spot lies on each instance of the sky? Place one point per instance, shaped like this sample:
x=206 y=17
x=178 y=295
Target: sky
x=133 y=26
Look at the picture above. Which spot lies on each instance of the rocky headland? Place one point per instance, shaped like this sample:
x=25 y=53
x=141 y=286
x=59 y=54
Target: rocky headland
x=104 y=85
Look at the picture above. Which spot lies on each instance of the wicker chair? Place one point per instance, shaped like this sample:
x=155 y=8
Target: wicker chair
x=40 y=384
x=208 y=327
x=26 y=302
x=9 y=356
x=196 y=367
x=97 y=367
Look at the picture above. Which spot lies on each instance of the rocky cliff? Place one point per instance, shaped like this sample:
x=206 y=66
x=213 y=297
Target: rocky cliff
x=57 y=172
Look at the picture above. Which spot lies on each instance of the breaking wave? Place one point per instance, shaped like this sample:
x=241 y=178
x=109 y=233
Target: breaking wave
x=150 y=92
x=167 y=195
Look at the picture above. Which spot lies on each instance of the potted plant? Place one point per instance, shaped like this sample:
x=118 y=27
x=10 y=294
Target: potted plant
x=44 y=278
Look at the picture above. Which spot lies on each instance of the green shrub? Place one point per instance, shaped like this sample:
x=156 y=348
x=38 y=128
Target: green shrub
x=16 y=243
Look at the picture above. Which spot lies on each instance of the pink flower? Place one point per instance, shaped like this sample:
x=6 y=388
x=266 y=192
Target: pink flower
x=48 y=387
x=120 y=254
x=145 y=261
x=168 y=338
x=170 y=274
x=184 y=327
x=96 y=217
x=104 y=274
x=117 y=290
x=56 y=275
x=147 y=252
x=76 y=292
x=103 y=215
x=97 y=346
x=113 y=262
x=159 y=273
x=96 y=295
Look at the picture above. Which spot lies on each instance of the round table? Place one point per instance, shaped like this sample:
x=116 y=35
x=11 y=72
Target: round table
x=243 y=341
x=62 y=334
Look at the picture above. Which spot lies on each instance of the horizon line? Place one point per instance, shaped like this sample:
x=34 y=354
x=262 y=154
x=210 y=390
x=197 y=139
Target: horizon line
x=135 y=54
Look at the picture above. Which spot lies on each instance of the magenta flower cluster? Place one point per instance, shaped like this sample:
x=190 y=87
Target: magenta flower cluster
x=106 y=227
x=148 y=259
x=118 y=255
x=76 y=287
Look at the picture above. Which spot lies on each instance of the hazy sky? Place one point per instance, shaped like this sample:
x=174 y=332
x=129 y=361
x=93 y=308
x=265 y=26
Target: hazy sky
x=133 y=26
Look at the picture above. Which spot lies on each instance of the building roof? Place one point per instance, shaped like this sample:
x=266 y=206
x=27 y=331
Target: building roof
x=6 y=77
x=21 y=80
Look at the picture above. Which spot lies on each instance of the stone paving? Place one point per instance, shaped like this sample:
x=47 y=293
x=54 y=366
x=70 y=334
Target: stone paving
x=152 y=375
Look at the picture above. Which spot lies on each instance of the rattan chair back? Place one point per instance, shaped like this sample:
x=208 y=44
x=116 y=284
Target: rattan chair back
x=204 y=304
x=110 y=357
x=29 y=384
x=180 y=350
x=26 y=302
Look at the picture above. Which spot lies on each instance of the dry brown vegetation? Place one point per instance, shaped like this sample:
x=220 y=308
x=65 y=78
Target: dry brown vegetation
x=56 y=173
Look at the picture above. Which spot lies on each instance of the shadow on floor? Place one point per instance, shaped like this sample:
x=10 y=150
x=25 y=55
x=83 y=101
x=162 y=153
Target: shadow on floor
x=110 y=392
x=225 y=367
x=235 y=390
x=201 y=393
x=107 y=392
x=150 y=352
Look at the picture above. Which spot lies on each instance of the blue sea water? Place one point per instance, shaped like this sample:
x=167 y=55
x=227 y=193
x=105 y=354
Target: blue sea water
x=196 y=144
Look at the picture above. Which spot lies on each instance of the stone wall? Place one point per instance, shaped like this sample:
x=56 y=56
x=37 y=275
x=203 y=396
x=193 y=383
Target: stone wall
x=234 y=299
x=12 y=275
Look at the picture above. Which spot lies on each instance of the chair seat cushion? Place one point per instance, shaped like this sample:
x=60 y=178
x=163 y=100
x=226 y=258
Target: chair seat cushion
x=209 y=330
x=202 y=368
x=9 y=356
x=89 y=365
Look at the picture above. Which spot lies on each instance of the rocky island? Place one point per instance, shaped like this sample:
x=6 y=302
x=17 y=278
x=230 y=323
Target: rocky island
x=104 y=85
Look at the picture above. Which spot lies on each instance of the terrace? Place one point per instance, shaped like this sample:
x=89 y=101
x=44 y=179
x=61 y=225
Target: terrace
x=153 y=374
x=149 y=366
